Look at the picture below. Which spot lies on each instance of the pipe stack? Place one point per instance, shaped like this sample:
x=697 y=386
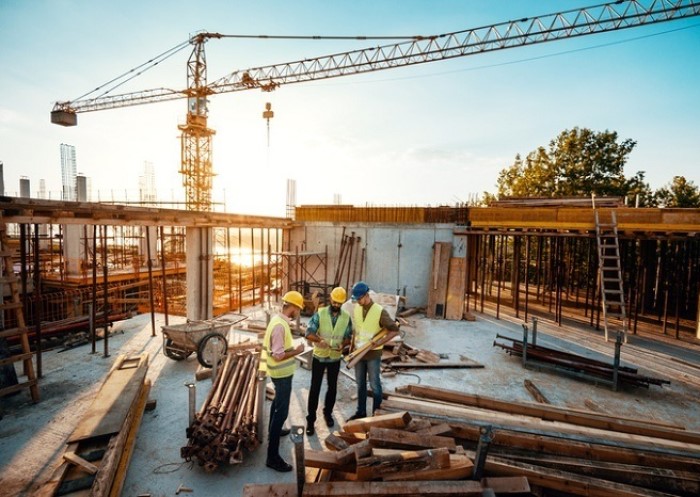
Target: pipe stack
x=227 y=422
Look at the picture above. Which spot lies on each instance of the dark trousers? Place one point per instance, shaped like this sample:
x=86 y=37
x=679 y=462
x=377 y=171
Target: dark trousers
x=317 y=370
x=278 y=415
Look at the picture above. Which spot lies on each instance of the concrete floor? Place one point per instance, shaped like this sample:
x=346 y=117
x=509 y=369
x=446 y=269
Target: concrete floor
x=32 y=436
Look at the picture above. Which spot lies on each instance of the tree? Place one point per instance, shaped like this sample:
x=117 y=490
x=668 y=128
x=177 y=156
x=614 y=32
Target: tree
x=678 y=193
x=578 y=162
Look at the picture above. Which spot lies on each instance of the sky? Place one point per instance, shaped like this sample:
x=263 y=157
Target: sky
x=429 y=134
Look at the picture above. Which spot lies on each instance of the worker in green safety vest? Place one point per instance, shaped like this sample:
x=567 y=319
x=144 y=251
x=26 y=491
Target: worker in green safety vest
x=280 y=353
x=368 y=319
x=329 y=331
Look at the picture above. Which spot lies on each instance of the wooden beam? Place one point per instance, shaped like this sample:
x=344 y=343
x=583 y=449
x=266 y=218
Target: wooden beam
x=74 y=458
x=552 y=413
x=400 y=439
x=392 y=420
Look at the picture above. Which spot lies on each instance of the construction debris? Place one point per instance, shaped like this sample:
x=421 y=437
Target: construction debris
x=229 y=420
x=400 y=355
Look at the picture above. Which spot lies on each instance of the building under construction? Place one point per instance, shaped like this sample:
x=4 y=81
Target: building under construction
x=72 y=270
x=548 y=346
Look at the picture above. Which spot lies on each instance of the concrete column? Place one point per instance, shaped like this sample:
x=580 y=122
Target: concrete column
x=143 y=249
x=200 y=273
x=74 y=249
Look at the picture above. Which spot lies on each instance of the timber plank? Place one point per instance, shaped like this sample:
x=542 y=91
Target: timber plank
x=400 y=439
x=109 y=409
x=460 y=467
x=456 y=282
x=565 y=481
x=392 y=420
x=553 y=428
x=553 y=413
x=74 y=458
x=437 y=286
x=661 y=479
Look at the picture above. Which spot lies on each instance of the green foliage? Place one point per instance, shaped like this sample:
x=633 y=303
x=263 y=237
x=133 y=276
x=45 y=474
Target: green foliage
x=578 y=162
x=678 y=193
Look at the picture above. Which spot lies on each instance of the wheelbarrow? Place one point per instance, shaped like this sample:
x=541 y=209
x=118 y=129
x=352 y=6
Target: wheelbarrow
x=206 y=338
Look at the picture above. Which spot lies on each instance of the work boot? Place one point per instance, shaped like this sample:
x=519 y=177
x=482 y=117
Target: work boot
x=357 y=416
x=310 y=429
x=329 y=420
x=279 y=464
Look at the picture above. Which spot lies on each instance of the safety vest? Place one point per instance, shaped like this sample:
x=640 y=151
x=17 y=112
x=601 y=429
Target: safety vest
x=275 y=368
x=368 y=326
x=333 y=335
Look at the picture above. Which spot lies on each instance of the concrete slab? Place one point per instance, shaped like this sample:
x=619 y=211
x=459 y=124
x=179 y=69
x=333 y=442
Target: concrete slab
x=32 y=436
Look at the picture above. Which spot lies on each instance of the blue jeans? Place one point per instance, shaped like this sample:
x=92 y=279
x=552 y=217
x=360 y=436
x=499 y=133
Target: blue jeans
x=362 y=370
x=278 y=415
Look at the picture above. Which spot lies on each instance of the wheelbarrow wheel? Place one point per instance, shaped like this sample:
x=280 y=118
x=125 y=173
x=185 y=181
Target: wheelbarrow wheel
x=175 y=354
x=210 y=346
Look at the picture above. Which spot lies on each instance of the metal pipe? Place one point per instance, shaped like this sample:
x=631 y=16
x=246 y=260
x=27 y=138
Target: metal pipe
x=37 y=301
x=482 y=448
x=105 y=282
x=192 y=390
x=162 y=268
x=149 y=265
x=93 y=304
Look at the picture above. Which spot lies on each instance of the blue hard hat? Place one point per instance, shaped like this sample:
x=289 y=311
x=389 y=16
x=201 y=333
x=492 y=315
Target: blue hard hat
x=359 y=290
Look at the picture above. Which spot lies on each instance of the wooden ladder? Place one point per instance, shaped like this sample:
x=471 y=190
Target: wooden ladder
x=13 y=316
x=610 y=273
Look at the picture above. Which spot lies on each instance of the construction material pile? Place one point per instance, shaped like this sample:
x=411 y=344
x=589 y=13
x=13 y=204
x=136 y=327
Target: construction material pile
x=569 y=452
x=401 y=355
x=537 y=356
x=228 y=421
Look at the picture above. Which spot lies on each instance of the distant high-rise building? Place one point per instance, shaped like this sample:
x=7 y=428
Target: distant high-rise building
x=42 y=189
x=291 y=197
x=147 y=184
x=69 y=171
x=2 y=179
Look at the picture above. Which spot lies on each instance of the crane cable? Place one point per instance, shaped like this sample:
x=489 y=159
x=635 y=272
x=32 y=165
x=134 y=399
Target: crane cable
x=133 y=72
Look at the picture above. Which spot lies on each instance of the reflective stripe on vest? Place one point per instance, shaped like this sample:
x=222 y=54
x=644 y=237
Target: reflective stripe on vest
x=368 y=326
x=275 y=368
x=333 y=335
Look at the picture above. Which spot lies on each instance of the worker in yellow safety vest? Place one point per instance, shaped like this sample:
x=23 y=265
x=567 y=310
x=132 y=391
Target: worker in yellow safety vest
x=329 y=330
x=280 y=352
x=368 y=319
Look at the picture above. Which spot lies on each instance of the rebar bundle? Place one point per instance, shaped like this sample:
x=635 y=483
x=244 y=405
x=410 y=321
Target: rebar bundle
x=227 y=422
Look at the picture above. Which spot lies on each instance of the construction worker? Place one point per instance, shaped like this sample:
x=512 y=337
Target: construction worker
x=330 y=331
x=280 y=352
x=368 y=319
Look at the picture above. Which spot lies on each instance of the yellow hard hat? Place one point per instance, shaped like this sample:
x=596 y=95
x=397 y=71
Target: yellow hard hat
x=339 y=295
x=294 y=298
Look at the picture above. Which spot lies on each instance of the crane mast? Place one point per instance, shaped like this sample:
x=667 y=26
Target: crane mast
x=196 y=139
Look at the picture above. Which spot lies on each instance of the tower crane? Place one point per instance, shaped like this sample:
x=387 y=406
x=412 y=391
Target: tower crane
x=196 y=137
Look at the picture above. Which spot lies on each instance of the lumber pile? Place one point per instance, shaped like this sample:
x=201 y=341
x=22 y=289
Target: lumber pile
x=562 y=451
x=228 y=421
x=98 y=451
x=577 y=365
x=400 y=355
x=390 y=455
